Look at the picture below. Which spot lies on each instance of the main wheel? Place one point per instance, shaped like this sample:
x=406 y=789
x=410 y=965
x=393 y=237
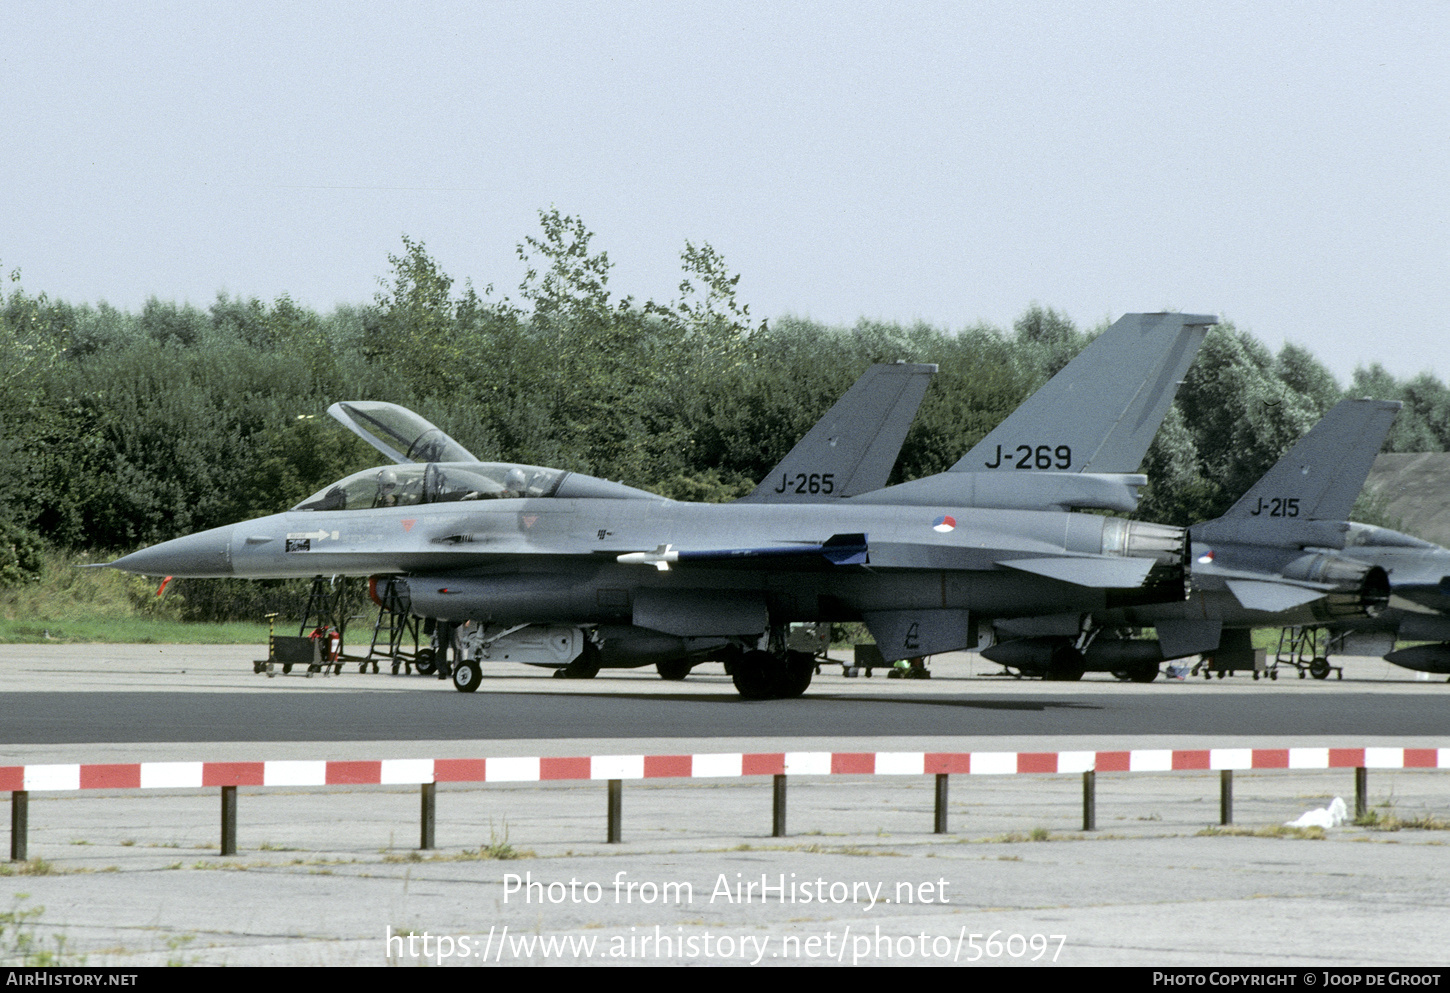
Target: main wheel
x=1144 y=673
x=425 y=663
x=466 y=677
x=1319 y=668
x=754 y=675
x=586 y=666
x=673 y=669
x=794 y=678
x=1067 y=666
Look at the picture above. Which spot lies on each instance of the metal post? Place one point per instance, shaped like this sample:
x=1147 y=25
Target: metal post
x=777 y=809
x=19 y=824
x=1361 y=793
x=428 y=794
x=1226 y=796
x=939 y=824
x=229 y=820
x=1089 y=801
x=616 y=809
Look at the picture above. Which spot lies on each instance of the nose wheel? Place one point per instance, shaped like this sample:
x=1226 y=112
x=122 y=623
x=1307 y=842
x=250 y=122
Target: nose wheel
x=466 y=677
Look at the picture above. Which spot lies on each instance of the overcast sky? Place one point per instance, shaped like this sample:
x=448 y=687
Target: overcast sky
x=1283 y=164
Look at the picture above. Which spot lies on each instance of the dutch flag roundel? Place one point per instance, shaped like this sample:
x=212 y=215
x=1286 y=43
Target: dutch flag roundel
x=944 y=523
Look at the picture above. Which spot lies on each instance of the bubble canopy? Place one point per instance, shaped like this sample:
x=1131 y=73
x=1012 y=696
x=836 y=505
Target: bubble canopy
x=435 y=482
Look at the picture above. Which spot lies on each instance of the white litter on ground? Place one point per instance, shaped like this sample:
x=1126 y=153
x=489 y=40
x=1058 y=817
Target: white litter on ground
x=1324 y=817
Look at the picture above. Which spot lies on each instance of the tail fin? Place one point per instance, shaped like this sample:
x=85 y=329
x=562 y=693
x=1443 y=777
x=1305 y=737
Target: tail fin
x=1100 y=412
x=853 y=448
x=1321 y=476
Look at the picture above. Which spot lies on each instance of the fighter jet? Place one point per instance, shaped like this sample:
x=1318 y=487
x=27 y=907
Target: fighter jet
x=589 y=573
x=1276 y=558
x=1419 y=606
x=852 y=449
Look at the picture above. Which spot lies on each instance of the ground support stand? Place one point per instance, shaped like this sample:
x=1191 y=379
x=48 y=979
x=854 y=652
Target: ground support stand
x=1307 y=650
x=396 y=627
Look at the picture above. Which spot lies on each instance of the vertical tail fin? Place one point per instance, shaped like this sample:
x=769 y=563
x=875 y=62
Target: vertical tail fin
x=1321 y=476
x=1100 y=412
x=853 y=448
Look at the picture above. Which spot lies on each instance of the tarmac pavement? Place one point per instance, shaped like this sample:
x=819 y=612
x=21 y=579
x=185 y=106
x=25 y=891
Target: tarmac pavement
x=327 y=875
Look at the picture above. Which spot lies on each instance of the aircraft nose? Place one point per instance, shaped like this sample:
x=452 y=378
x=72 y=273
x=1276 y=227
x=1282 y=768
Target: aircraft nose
x=206 y=555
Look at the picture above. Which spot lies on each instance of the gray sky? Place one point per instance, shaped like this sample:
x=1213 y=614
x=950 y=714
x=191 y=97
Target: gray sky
x=1283 y=164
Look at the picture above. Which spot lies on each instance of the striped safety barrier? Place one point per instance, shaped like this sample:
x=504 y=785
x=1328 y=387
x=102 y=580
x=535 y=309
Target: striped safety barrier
x=21 y=780
x=182 y=775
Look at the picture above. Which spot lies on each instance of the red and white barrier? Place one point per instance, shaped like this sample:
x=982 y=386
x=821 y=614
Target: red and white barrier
x=180 y=775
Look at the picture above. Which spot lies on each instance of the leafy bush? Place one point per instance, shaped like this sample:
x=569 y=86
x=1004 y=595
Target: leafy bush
x=21 y=560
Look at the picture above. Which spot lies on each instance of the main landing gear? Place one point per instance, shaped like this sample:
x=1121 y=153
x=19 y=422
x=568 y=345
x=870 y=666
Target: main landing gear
x=765 y=676
x=586 y=666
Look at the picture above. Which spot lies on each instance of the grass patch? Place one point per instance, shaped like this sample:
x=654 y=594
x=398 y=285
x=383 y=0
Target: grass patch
x=1266 y=831
x=1016 y=837
x=19 y=944
x=1376 y=821
x=71 y=605
x=129 y=631
x=34 y=867
x=498 y=847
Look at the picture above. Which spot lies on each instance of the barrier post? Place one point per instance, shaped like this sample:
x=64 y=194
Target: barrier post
x=1226 y=796
x=939 y=821
x=777 y=807
x=616 y=810
x=1089 y=801
x=229 y=820
x=19 y=825
x=1361 y=793
x=428 y=795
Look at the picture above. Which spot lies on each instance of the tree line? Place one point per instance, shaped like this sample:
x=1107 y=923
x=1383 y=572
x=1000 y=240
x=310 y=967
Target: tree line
x=120 y=429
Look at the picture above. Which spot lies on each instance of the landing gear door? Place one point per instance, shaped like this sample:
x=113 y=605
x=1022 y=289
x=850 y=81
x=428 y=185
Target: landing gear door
x=398 y=433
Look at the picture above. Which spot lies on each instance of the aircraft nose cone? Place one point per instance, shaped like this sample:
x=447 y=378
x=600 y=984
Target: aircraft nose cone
x=207 y=555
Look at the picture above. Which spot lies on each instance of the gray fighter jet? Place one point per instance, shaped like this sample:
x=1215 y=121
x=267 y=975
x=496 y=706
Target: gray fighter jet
x=587 y=572
x=1277 y=558
x=1419 y=607
x=852 y=449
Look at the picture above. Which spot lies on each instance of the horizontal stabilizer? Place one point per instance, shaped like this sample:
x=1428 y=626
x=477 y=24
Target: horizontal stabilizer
x=1255 y=595
x=1101 y=573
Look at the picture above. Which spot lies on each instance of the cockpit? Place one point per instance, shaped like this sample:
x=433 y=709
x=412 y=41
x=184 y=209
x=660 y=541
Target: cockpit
x=435 y=482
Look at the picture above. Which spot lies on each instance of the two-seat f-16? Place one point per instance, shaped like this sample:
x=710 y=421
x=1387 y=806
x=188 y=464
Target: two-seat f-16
x=600 y=573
